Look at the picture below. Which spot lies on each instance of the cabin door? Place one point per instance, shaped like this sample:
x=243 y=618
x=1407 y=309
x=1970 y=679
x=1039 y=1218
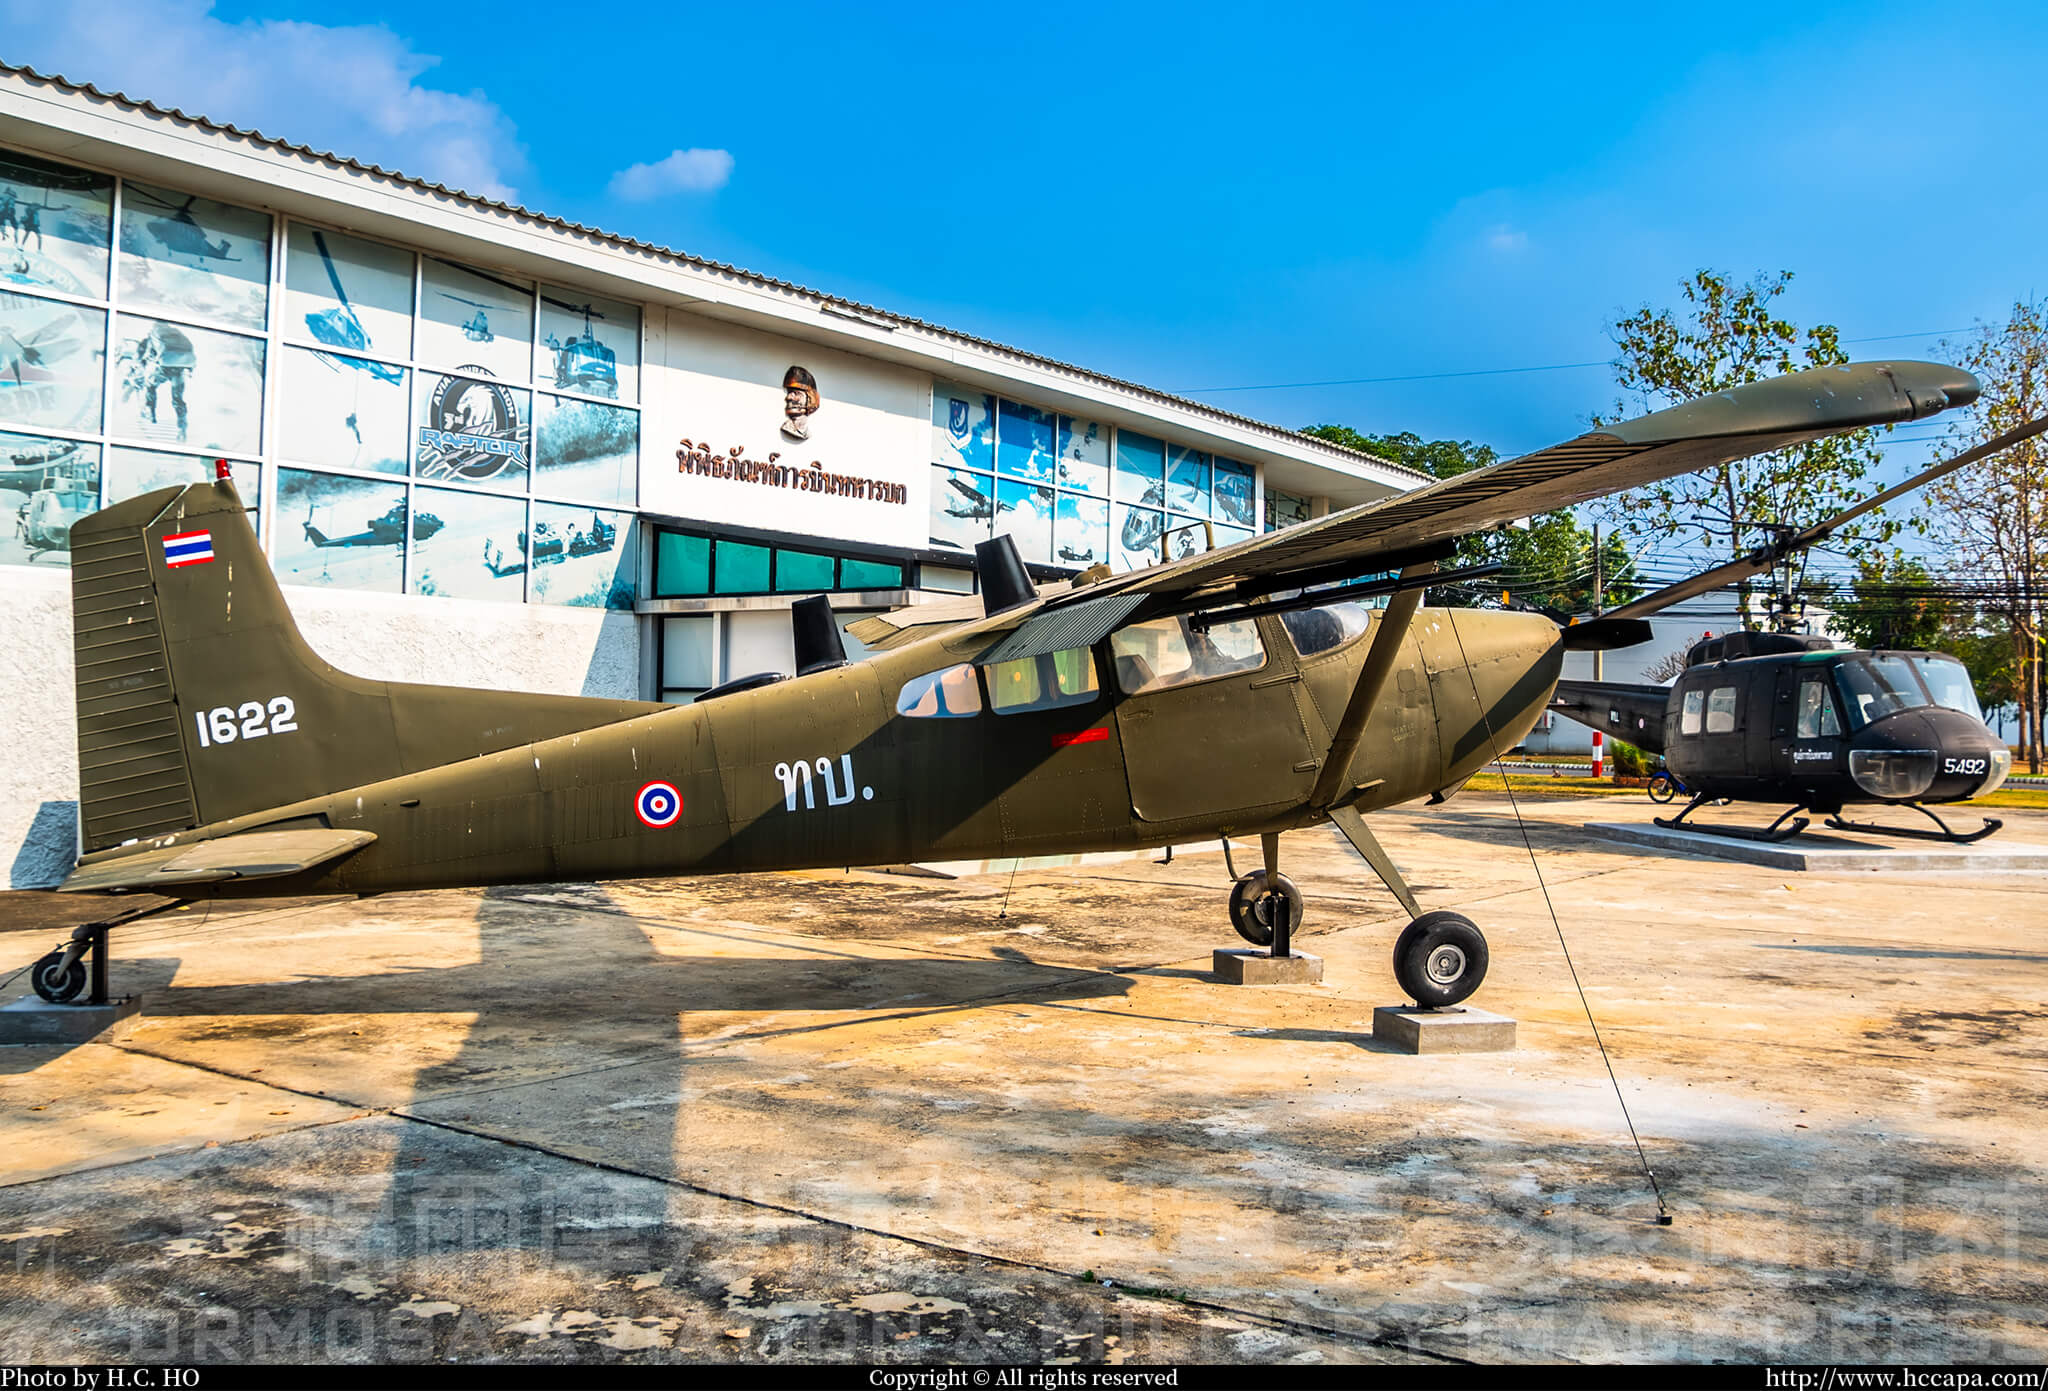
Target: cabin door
x=1806 y=728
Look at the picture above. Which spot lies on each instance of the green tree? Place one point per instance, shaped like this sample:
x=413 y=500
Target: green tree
x=1548 y=563
x=1891 y=601
x=1727 y=334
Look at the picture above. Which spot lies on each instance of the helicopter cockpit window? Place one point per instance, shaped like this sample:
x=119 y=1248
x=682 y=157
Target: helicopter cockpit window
x=1689 y=716
x=1817 y=710
x=1326 y=629
x=1949 y=683
x=1873 y=687
x=1042 y=683
x=1168 y=652
x=943 y=695
x=1721 y=710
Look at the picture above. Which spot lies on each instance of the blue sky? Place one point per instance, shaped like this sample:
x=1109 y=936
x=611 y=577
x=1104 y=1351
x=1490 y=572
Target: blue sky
x=1197 y=197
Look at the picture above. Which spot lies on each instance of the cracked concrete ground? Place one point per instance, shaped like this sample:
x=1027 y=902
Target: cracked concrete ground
x=874 y=1117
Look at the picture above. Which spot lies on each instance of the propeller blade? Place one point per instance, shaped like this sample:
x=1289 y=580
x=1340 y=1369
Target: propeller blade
x=1764 y=557
x=1606 y=634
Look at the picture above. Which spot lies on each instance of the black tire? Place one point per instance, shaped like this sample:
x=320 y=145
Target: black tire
x=1250 y=910
x=1440 y=959
x=1661 y=790
x=55 y=985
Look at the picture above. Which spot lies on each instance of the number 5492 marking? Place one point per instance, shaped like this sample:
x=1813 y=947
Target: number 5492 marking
x=224 y=724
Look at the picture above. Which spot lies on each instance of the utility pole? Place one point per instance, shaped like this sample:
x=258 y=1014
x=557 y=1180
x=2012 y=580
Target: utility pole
x=1599 y=667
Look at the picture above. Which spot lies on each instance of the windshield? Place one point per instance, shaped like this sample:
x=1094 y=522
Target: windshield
x=1873 y=687
x=1324 y=629
x=1949 y=683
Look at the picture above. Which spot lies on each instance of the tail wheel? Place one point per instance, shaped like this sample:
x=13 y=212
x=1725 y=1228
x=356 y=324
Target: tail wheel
x=1440 y=959
x=1255 y=899
x=54 y=981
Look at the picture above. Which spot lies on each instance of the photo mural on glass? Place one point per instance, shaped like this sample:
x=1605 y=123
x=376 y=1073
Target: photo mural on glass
x=56 y=226
x=1081 y=531
x=52 y=358
x=474 y=318
x=342 y=412
x=585 y=450
x=1024 y=512
x=1135 y=534
x=1236 y=494
x=582 y=557
x=46 y=484
x=343 y=292
x=478 y=550
x=963 y=427
x=180 y=385
x=1187 y=481
x=1140 y=469
x=345 y=532
x=588 y=345
x=1025 y=442
x=963 y=508
x=133 y=472
x=470 y=429
x=1084 y=456
x=192 y=257
x=1186 y=536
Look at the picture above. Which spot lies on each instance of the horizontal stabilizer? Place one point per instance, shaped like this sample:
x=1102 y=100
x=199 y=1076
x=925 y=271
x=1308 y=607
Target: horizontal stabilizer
x=252 y=855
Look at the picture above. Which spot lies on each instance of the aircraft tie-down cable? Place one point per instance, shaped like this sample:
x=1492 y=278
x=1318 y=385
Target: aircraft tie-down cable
x=1663 y=1212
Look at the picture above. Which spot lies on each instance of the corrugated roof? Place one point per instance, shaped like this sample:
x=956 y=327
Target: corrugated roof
x=558 y=224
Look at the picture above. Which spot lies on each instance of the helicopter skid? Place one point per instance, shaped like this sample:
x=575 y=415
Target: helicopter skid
x=1952 y=837
x=1772 y=833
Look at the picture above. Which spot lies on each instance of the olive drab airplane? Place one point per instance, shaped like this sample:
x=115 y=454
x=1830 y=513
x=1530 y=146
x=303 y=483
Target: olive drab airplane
x=1208 y=696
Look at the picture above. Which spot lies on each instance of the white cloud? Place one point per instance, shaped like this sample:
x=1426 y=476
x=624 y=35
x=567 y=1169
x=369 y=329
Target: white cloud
x=351 y=89
x=684 y=171
x=1505 y=239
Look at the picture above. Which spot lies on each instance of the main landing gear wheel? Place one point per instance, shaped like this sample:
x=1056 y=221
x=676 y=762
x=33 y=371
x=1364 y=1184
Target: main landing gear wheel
x=1440 y=959
x=54 y=981
x=1254 y=901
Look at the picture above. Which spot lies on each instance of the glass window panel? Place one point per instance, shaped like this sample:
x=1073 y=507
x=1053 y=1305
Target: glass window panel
x=52 y=363
x=686 y=651
x=869 y=574
x=1689 y=717
x=186 y=255
x=589 y=345
x=582 y=557
x=941 y=695
x=1024 y=512
x=1284 y=509
x=1185 y=537
x=342 y=412
x=1025 y=442
x=1084 y=455
x=1168 y=652
x=1140 y=469
x=344 y=532
x=1230 y=535
x=475 y=318
x=1236 y=494
x=56 y=226
x=478 y=550
x=1721 y=710
x=1136 y=536
x=1187 y=481
x=586 y=450
x=45 y=485
x=682 y=564
x=1816 y=710
x=133 y=472
x=1324 y=629
x=471 y=430
x=963 y=508
x=1081 y=531
x=742 y=569
x=963 y=426
x=1042 y=683
x=179 y=385
x=1949 y=683
x=802 y=572
x=343 y=292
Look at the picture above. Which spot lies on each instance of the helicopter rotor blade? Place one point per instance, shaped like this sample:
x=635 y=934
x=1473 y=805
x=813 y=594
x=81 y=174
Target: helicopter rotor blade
x=1766 y=556
x=333 y=275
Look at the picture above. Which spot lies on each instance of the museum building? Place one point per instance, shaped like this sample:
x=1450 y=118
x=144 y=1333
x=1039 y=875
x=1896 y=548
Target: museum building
x=484 y=446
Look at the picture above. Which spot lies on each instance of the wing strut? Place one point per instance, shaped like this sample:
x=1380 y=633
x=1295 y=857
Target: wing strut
x=1347 y=820
x=1387 y=638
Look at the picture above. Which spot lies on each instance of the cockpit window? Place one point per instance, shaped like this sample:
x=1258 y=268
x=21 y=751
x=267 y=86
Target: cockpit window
x=1170 y=652
x=1325 y=629
x=1873 y=687
x=1948 y=681
x=1816 y=710
x=1042 y=683
x=942 y=695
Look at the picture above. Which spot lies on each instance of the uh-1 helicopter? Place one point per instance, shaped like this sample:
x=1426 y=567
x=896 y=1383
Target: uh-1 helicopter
x=339 y=327
x=1229 y=693
x=1777 y=717
x=583 y=364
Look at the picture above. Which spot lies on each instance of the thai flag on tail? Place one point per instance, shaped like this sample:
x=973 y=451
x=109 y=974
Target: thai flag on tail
x=188 y=548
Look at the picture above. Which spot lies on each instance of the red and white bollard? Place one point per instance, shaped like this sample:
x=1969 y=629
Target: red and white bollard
x=1599 y=765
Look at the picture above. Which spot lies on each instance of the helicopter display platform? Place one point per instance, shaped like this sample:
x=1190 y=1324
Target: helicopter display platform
x=1826 y=853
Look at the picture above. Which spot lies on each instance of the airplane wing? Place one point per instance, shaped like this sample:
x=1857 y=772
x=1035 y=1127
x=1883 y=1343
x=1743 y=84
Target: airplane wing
x=252 y=855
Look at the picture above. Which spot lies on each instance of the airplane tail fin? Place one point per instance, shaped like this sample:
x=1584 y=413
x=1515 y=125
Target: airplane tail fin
x=199 y=700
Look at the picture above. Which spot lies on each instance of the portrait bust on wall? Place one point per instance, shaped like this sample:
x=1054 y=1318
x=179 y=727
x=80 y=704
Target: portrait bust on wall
x=800 y=401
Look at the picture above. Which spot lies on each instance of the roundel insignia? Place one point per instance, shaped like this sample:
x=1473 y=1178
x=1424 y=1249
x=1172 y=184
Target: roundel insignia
x=658 y=805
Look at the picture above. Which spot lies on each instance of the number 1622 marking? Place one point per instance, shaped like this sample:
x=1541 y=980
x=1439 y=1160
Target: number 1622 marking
x=224 y=724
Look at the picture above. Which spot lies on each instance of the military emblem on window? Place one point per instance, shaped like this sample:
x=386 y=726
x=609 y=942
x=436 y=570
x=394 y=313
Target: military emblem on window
x=472 y=429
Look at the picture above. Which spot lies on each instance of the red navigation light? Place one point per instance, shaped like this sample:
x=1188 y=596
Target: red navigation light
x=221 y=471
